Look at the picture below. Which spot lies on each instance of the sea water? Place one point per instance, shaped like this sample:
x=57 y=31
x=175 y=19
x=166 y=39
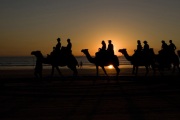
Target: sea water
x=28 y=62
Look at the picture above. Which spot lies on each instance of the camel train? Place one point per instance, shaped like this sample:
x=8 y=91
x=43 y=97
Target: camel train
x=159 y=61
x=62 y=56
x=155 y=61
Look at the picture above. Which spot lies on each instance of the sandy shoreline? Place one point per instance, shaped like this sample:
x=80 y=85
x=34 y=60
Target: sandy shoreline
x=88 y=97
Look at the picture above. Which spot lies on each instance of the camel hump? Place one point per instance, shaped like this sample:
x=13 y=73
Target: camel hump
x=107 y=58
x=104 y=53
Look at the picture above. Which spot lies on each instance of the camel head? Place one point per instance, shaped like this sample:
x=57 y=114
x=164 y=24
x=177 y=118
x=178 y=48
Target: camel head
x=123 y=51
x=85 y=51
x=37 y=53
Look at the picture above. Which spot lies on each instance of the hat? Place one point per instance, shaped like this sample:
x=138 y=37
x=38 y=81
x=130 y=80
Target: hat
x=145 y=41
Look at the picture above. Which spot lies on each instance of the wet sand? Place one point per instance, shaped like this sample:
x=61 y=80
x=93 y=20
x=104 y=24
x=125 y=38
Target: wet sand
x=87 y=97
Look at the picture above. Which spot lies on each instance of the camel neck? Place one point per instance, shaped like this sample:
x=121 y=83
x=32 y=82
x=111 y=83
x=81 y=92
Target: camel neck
x=89 y=57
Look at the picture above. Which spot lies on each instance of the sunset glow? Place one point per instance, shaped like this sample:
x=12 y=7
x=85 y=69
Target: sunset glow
x=35 y=25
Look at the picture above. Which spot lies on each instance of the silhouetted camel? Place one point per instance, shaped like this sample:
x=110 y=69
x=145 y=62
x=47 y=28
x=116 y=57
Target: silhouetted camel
x=166 y=60
x=100 y=61
x=38 y=66
x=137 y=61
x=64 y=60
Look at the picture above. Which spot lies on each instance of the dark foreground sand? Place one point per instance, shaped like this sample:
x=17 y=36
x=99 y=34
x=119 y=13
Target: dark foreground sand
x=88 y=97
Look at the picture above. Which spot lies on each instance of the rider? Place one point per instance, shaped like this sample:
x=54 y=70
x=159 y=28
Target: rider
x=138 y=51
x=56 y=49
x=110 y=48
x=172 y=47
x=146 y=47
x=164 y=47
x=103 y=45
x=139 y=46
x=102 y=50
x=58 y=46
x=69 y=46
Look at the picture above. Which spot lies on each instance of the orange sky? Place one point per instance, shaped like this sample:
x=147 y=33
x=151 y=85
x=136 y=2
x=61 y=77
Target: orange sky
x=35 y=25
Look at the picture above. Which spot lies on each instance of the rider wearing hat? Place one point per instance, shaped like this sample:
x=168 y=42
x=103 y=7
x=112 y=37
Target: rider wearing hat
x=110 y=48
x=146 y=46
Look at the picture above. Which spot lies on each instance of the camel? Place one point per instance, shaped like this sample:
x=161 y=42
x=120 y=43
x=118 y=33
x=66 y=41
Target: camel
x=100 y=61
x=137 y=61
x=63 y=60
x=154 y=60
x=167 y=60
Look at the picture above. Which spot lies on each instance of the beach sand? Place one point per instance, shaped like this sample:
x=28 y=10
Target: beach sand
x=87 y=97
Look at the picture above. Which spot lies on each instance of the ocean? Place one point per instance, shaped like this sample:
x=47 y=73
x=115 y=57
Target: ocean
x=28 y=62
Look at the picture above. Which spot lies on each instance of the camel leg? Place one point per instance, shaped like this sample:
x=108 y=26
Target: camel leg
x=104 y=70
x=73 y=68
x=75 y=72
x=36 y=74
x=153 y=68
x=174 y=67
x=147 y=70
x=57 y=68
x=97 y=71
x=52 y=71
x=133 y=69
x=117 y=70
x=136 y=70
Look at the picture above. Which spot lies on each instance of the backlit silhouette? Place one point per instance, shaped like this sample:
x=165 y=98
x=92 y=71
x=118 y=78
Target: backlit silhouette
x=103 y=58
x=60 y=56
x=38 y=66
x=167 y=57
x=139 y=60
x=146 y=57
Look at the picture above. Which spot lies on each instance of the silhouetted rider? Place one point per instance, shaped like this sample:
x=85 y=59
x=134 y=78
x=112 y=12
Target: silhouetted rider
x=138 y=51
x=56 y=49
x=164 y=46
x=145 y=50
x=146 y=47
x=110 y=48
x=103 y=48
x=172 y=47
x=139 y=46
x=58 y=46
x=69 y=46
x=103 y=45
